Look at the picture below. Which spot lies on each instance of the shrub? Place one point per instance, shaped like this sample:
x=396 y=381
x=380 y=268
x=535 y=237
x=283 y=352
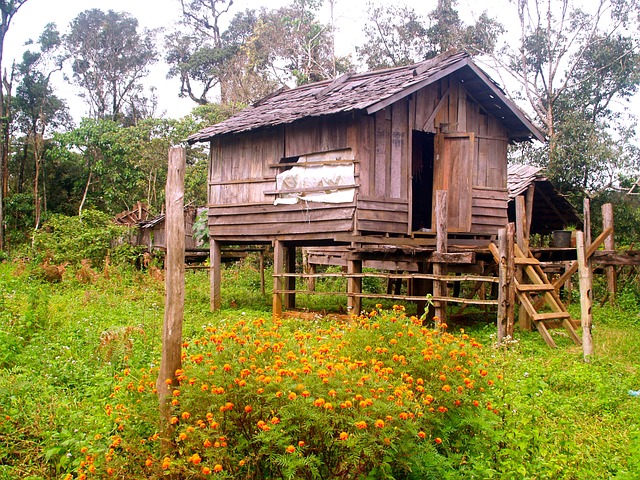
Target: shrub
x=73 y=239
x=379 y=396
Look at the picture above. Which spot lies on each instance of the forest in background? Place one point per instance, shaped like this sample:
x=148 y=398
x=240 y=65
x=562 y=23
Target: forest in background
x=576 y=67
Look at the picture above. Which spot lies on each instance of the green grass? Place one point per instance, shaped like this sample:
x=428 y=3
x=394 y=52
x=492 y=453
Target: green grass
x=62 y=344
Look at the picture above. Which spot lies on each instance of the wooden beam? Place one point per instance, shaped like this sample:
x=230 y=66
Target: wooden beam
x=432 y=117
x=501 y=255
x=439 y=288
x=354 y=286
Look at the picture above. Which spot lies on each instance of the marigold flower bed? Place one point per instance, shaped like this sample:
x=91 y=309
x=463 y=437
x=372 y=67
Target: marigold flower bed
x=378 y=395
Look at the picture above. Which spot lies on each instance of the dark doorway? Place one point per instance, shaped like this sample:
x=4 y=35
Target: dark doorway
x=422 y=179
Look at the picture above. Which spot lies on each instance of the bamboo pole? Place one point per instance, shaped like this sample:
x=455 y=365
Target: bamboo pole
x=174 y=291
x=609 y=244
x=586 y=296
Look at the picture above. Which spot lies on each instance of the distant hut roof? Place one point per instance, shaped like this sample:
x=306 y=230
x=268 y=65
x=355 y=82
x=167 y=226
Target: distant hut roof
x=371 y=92
x=551 y=210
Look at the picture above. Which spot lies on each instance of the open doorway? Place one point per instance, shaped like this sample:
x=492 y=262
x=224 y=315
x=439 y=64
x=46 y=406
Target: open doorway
x=422 y=180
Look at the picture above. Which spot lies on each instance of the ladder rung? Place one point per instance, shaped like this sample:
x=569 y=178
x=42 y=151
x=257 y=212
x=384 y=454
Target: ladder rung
x=526 y=261
x=541 y=317
x=545 y=287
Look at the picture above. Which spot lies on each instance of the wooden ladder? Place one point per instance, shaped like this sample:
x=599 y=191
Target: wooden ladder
x=545 y=293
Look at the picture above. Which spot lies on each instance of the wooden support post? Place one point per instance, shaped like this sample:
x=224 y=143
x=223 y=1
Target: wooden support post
x=524 y=319
x=586 y=296
x=502 y=285
x=511 y=285
x=290 y=282
x=354 y=286
x=439 y=288
x=311 y=281
x=174 y=291
x=278 y=282
x=215 y=258
x=529 y=207
x=609 y=244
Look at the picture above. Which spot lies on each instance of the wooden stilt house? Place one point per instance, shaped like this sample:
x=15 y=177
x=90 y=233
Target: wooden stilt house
x=363 y=156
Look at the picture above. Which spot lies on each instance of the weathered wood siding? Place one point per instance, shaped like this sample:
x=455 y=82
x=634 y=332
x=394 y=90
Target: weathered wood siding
x=470 y=158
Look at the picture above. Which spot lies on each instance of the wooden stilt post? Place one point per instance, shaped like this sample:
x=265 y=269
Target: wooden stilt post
x=174 y=291
x=354 y=286
x=502 y=285
x=609 y=244
x=511 y=285
x=586 y=296
x=215 y=257
x=278 y=268
x=439 y=287
x=290 y=282
x=522 y=229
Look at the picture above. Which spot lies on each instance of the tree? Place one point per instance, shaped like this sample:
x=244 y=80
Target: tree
x=397 y=35
x=572 y=63
x=8 y=8
x=198 y=58
x=110 y=57
x=36 y=106
x=256 y=53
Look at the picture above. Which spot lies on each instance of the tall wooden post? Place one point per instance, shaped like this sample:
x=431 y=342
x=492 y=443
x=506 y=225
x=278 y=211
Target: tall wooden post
x=215 y=276
x=354 y=286
x=439 y=287
x=502 y=285
x=511 y=285
x=586 y=296
x=278 y=282
x=522 y=238
x=174 y=289
x=609 y=244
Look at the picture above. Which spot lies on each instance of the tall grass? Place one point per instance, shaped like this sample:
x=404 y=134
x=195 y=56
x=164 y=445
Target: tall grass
x=63 y=345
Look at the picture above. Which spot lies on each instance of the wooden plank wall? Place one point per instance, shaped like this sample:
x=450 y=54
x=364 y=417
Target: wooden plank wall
x=458 y=112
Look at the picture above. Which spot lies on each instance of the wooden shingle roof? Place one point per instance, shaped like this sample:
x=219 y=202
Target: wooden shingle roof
x=373 y=91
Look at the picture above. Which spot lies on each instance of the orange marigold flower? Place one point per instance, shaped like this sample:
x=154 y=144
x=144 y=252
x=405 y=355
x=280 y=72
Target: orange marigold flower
x=446 y=388
x=207 y=443
x=361 y=425
x=206 y=471
x=421 y=434
x=318 y=402
x=148 y=462
x=166 y=463
x=379 y=423
x=438 y=440
x=182 y=436
x=292 y=396
x=176 y=393
x=290 y=449
x=344 y=435
x=226 y=367
x=217 y=468
x=275 y=420
x=301 y=443
x=442 y=409
x=248 y=409
x=195 y=459
x=174 y=420
x=186 y=415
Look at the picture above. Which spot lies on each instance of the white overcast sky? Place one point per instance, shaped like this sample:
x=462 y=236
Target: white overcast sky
x=349 y=17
